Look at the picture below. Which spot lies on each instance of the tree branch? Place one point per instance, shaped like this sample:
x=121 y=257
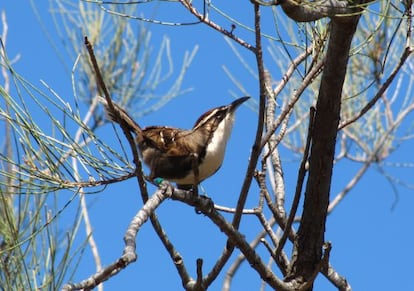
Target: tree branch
x=187 y=4
x=302 y=11
x=260 y=125
x=310 y=237
x=129 y=255
x=206 y=206
x=175 y=256
x=299 y=183
x=407 y=52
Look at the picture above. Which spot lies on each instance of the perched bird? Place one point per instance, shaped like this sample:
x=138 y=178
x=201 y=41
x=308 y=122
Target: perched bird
x=183 y=156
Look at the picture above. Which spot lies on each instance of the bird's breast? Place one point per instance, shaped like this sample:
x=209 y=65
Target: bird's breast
x=215 y=149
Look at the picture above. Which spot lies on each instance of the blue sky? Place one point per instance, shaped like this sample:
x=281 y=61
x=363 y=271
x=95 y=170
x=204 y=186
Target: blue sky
x=372 y=242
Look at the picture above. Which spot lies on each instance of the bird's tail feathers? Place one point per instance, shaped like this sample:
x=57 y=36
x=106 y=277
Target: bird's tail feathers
x=111 y=115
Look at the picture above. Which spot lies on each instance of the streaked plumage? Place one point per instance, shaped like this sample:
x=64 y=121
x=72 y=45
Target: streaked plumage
x=172 y=153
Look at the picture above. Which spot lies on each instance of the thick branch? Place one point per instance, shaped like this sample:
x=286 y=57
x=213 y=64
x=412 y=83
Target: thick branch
x=308 y=246
x=205 y=206
x=302 y=11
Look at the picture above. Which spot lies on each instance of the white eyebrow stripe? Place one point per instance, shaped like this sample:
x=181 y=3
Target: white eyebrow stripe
x=162 y=136
x=206 y=117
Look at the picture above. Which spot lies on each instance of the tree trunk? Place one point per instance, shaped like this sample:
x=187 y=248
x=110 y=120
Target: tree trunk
x=308 y=245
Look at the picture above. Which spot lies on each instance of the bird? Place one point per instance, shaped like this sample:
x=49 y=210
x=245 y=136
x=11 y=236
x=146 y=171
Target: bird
x=184 y=156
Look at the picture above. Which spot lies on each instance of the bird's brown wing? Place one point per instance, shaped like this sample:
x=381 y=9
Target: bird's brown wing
x=169 y=141
x=168 y=152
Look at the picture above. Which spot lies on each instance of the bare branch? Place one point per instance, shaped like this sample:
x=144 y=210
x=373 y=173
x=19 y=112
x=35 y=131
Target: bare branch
x=187 y=4
x=205 y=206
x=129 y=255
x=260 y=125
x=299 y=183
x=407 y=52
x=85 y=213
x=340 y=282
x=306 y=11
x=313 y=73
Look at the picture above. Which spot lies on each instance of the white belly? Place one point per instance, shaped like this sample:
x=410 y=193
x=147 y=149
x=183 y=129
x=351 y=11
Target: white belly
x=214 y=154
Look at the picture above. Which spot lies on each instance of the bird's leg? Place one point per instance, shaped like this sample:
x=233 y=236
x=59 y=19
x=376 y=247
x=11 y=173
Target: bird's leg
x=194 y=165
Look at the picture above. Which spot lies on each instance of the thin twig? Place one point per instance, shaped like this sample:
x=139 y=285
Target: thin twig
x=241 y=258
x=371 y=158
x=280 y=218
x=313 y=73
x=219 y=265
x=187 y=4
x=8 y=149
x=333 y=276
x=102 y=87
x=199 y=281
x=260 y=125
x=175 y=256
x=233 y=210
x=407 y=52
x=84 y=208
x=274 y=167
x=129 y=255
x=299 y=184
x=85 y=184
x=205 y=206
x=228 y=250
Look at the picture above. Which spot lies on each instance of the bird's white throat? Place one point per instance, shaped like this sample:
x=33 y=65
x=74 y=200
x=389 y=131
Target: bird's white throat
x=214 y=152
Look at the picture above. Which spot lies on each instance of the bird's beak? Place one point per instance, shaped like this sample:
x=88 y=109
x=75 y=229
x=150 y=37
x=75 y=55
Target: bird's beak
x=236 y=103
